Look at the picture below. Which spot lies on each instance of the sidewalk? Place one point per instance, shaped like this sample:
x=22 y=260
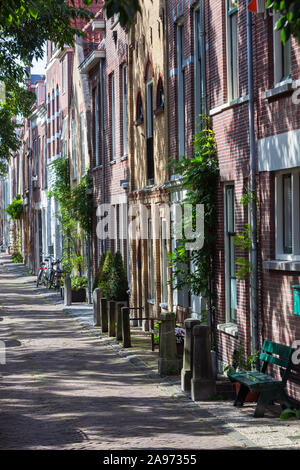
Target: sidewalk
x=237 y=424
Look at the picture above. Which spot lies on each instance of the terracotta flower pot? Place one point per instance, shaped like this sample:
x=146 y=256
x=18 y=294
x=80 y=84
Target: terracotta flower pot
x=251 y=396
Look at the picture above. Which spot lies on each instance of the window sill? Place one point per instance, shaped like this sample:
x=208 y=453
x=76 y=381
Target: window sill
x=123 y=158
x=164 y=306
x=151 y=301
x=98 y=167
x=231 y=104
x=279 y=89
x=112 y=162
x=282 y=265
x=228 y=328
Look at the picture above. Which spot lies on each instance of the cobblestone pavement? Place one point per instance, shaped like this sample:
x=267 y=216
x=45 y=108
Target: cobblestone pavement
x=64 y=388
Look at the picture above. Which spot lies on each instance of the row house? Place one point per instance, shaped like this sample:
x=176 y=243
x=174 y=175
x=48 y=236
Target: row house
x=208 y=74
x=148 y=158
x=104 y=67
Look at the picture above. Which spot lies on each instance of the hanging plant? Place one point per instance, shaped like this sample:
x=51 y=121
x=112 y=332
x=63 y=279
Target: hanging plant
x=15 y=209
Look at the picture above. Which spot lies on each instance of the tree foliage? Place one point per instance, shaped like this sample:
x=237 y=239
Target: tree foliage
x=289 y=20
x=15 y=209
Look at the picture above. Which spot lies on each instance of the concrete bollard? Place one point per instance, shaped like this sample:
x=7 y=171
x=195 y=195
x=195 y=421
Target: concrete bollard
x=186 y=371
x=104 y=315
x=67 y=291
x=119 y=306
x=112 y=318
x=125 y=313
x=167 y=361
x=96 y=306
x=203 y=385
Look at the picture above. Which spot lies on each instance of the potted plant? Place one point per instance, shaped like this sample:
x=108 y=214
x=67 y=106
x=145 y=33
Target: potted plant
x=243 y=363
x=79 y=285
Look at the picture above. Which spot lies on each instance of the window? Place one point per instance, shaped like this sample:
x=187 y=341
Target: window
x=282 y=56
x=82 y=143
x=63 y=71
x=113 y=117
x=230 y=266
x=124 y=111
x=150 y=157
x=287 y=219
x=139 y=109
x=199 y=66
x=96 y=124
x=232 y=50
x=150 y=260
x=74 y=156
x=181 y=90
x=164 y=262
x=160 y=95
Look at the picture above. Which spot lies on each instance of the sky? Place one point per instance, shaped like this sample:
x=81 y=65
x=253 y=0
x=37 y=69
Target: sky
x=39 y=67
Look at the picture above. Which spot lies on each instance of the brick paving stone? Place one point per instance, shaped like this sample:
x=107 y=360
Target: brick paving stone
x=64 y=388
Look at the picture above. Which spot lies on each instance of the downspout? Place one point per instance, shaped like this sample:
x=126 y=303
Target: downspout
x=102 y=141
x=253 y=206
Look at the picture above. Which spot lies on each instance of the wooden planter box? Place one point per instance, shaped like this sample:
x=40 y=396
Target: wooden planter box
x=79 y=295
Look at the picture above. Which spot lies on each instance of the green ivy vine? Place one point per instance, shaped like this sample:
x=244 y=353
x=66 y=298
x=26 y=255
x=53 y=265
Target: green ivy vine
x=200 y=178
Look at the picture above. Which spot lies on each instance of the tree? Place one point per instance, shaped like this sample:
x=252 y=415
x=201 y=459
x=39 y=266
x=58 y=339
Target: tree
x=289 y=20
x=25 y=25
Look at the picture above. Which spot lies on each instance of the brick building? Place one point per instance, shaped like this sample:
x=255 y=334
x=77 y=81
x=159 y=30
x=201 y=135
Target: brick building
x=105 y=65
x=148 y=153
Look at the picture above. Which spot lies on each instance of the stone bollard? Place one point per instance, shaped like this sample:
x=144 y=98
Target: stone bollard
x=167 y=361
x=96 y=306
x=67 y=291
x=203 y=384
x=111 y=318
x=125 y=313
x=186 y=371
x=103 y=315
x=119 y=306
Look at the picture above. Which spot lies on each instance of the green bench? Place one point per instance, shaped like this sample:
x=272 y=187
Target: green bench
x=269 y=389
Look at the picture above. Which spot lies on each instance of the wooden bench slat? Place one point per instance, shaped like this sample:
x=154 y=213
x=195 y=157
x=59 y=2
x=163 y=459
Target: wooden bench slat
x=274 y=360
x=280 y=349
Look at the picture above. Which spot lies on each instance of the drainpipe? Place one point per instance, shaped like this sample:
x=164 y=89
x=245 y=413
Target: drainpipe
x=102 y=139
x=253 y=206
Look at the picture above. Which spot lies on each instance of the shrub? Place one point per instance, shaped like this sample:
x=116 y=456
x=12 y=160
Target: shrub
x=106 y=275
x=99 y=271
x=113 y=280
x=119 y=283
x=17 y=257
x=78 y=282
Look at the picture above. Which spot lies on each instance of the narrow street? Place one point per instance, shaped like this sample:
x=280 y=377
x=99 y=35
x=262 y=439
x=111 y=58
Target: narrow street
x=61 y=388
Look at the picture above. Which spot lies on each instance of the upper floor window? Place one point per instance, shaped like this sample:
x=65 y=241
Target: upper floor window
x=74 y=156
x=160 y=95
x=199 y=68
x=181 y=90
x=282 y=56
x=139 y=109
x=287 y=214
x=232 y=50
x=113 y=117
x=124 y=110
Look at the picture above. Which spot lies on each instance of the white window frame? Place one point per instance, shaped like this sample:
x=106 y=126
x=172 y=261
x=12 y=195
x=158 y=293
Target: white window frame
x=150 y=260
x=228 y=285
x=280 y=75
x=180 y=88
x=113 y=117
x=74 y=154
x=96 y=124
x=279 y=216
x=82 y=142
x=124 y=110
x=232 y=68
x=199 y=68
